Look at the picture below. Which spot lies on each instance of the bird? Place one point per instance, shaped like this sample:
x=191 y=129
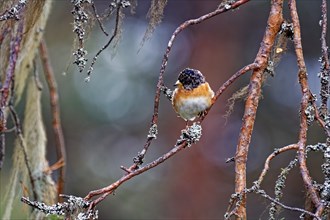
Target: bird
x=192 y=95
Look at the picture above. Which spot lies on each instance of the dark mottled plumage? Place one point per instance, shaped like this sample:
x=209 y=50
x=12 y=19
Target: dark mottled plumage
x=191 y=78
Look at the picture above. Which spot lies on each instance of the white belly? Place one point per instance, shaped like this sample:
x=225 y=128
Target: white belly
x=191 y=107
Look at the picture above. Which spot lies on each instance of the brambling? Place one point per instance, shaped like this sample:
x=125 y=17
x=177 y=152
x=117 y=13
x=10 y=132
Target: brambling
x=192 y=95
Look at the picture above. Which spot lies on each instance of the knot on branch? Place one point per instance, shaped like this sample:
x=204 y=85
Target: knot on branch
x=74 y=208
x=191 y=134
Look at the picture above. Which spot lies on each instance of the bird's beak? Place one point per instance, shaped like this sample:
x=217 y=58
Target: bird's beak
x=176 y=83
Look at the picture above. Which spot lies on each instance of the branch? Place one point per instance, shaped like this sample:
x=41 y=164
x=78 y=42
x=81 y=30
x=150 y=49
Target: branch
x=80 y=18
x=323 y=123
x=306 y=95
x=119 y=6
x=98 y=19
x=263 y=194
x=272 y=156
x=110 y=189
x=236 y=198
x=18 y=131
x=188 y=136
x=275 y=20
x=57 y=128
x=225 y=85
x=74 y=208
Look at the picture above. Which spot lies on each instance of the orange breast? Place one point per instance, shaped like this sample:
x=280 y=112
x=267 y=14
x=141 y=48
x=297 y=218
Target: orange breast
x=189 y=103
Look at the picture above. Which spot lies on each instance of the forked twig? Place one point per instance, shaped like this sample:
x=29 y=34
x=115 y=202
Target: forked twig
x=114 y=34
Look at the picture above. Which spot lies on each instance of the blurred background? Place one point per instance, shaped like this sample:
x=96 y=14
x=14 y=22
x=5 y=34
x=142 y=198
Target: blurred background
x=106 y=121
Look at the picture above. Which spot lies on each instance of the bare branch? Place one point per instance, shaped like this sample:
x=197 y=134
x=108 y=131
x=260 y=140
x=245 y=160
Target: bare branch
x=275 y=20
x=18 y=130
x=57 y=128
x=188 y=136
x=272 y=156
x=119 y=6
x=263 y=194
x=98 y=19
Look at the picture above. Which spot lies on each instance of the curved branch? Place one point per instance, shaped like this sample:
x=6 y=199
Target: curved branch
x=306 y=95
x=110 y=189
x=272 y=156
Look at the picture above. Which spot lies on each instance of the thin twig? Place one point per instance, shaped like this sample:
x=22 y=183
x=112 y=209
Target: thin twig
x=115 y=33
x=263 y=194
x=272 y=156
x=110 y=189
x=225 y=85
x=306 y=95
x=321 y=121
x=55 y=107
x=98 y=19
x=18 y=129
x=23 y=145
